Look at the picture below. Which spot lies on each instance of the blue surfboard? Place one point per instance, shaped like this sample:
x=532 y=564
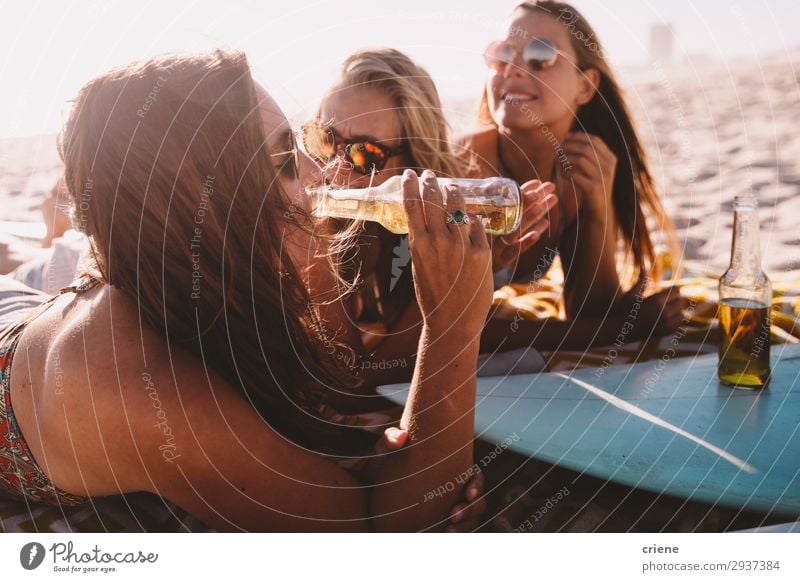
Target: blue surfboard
x=667 y=427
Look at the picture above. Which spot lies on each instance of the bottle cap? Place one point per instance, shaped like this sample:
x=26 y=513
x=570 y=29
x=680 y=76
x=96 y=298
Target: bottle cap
x=745 y=201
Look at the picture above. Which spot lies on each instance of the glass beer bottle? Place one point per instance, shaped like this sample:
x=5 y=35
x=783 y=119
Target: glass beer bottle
x=745 y=299
x=494 y=200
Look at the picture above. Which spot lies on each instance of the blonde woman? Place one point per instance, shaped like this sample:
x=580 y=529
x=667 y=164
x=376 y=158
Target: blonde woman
x=384 y=115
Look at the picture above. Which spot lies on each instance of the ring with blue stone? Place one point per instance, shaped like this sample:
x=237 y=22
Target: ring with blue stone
x=457 y=217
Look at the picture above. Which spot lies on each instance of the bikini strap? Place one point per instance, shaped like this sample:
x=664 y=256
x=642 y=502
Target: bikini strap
x=79 y=285
x=82 y=284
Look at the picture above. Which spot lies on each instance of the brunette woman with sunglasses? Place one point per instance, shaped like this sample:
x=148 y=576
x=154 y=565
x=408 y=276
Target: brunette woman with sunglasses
x=189 y=361
x=552 y=110
x=384 y=115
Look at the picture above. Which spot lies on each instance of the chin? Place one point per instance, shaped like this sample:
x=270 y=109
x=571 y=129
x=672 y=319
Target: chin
x=514 y=118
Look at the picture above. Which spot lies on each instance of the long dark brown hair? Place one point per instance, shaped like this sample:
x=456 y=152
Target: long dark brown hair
x=167 y=166
x=607 y=116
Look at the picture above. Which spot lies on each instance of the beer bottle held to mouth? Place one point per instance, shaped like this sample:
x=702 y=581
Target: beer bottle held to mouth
x=745 y=301
x=496 y=201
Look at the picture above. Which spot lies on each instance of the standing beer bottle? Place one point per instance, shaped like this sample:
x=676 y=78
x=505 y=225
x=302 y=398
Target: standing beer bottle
x=496 y=201
x=745 y=299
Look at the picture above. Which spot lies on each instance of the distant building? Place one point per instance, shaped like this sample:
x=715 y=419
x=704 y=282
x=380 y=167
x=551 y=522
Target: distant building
x=662 y=43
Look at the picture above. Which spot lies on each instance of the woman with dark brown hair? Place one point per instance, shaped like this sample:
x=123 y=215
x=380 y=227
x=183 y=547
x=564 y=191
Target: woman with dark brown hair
x=552 y=110
x=191 y=362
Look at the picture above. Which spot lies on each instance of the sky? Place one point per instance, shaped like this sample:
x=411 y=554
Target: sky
x=49 y=49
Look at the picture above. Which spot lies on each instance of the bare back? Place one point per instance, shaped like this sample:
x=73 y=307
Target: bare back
x=107 y=407
x=75 y=391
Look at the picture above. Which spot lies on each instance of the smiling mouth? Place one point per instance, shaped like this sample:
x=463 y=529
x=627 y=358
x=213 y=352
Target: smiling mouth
x=518 y=97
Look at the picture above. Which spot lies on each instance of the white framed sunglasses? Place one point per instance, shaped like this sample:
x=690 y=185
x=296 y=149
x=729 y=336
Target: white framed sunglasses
x=538 y=54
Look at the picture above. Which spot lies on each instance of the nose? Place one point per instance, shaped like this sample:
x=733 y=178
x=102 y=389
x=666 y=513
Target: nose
x=515 y=68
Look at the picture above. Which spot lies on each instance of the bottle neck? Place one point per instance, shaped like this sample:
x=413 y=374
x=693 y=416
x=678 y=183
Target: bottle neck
x=746 y=250
x=392 y=187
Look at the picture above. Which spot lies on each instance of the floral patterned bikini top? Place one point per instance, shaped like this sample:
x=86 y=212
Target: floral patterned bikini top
x=20 y=474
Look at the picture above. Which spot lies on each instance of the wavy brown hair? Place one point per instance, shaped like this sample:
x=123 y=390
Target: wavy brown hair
x=607 y=116
x=171 y=180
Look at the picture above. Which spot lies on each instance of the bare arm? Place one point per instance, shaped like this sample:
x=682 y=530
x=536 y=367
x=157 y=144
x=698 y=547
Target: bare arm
x=455 y=262
x=440 y=422
x=588 y=256
x=237 y=473
x=588 y=253
x=400 y=347
x=233 y=472
x=550 y=333
x=634 y=318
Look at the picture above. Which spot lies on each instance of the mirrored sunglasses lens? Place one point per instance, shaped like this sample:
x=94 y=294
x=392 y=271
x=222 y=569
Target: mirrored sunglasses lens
x=365 y=157
x=498 y=55
x=319 y=142
x=540 y=54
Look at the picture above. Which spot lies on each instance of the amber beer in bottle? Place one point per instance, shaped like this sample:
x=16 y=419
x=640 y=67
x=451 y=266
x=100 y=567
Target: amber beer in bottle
x=745 y=299
x=495 y=201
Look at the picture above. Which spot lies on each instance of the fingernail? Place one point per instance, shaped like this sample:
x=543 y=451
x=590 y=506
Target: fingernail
x=427 y=175
x=472 y=493
x=408 y=173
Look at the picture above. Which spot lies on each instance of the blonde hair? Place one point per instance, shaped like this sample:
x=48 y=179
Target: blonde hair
x=424 y=128
x=423 y=124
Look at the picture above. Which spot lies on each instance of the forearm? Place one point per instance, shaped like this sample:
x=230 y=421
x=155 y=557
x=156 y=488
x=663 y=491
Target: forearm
x=588 y=255
x=536 y=261
x=394 y=359
x=549 y=333
x=439 y=417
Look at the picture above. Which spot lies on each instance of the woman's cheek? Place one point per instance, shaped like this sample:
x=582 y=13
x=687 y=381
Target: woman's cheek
x=494 y=92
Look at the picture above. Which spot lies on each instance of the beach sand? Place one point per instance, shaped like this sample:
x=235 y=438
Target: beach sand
x=711 y=133
x=720 y=132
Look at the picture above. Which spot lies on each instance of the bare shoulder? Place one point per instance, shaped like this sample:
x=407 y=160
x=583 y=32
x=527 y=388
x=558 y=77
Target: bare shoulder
x=479 y=150
x=481 y=138
x=123 y=410
x=109 y=406
x=93 y=390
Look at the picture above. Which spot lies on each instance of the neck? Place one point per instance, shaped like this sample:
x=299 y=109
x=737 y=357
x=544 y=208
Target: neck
x=745 y=251
x=531 y=153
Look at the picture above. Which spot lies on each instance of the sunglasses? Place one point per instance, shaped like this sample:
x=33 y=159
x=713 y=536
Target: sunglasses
x=538 y=54
x=288 y=161
x=366 y=156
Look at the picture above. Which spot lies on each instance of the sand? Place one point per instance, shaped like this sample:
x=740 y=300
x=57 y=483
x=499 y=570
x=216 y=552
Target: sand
x=711 y=133
x=720 y=132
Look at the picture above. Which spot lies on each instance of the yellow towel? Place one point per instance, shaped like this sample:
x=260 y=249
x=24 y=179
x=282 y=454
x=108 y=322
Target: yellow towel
x=544 y=299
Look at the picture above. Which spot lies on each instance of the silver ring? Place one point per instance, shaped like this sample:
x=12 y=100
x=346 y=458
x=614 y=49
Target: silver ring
x=457 y=217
